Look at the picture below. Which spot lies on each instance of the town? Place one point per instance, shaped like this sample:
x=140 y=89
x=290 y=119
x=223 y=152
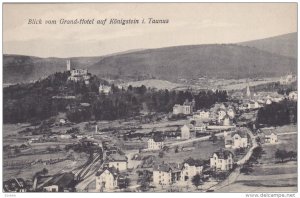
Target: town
x=172 y=141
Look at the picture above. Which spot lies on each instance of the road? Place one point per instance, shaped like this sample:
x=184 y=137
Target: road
x=234 y=175
x=287 y=133
x=193 y=140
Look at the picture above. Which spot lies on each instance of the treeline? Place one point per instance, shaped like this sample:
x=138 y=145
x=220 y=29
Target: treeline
x=275 y=87
x=278 y=114
x=36 y=101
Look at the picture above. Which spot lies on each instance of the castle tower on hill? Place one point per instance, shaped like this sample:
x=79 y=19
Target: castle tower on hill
x=69 y=65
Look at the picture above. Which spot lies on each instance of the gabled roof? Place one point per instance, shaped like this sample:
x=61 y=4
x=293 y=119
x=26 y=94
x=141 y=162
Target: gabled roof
x=223 y=154
x=267 y=131
x=167 y=167
x=192 y=162
x=112 y=170
x=158 y=138
x=242 y=134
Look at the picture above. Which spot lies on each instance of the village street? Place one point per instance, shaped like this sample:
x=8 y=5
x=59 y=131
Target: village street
x=193 y=140
x=234 y=175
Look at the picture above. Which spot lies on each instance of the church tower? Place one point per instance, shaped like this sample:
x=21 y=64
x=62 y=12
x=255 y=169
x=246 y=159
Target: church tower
x=68 y=65
x=248 y=93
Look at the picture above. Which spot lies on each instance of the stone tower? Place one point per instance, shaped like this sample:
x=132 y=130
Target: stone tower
x=68 y=65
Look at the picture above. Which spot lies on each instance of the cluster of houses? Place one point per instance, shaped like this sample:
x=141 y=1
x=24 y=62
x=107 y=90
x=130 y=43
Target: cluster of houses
x=288 y=79
x=15 y=185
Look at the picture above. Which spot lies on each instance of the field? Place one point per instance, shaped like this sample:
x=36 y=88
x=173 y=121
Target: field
x=270 y=175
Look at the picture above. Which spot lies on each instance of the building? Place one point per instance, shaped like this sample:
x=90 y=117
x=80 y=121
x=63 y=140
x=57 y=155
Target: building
x=155 y=143
x=15 y=185
x=166 y=174
x=77 y=75
x=221 y=115
x=268 y=101
x=238 y=139
x=186 y=108
x=120 y=162
x=191 y=168
x=200 y=126
x=248 y=93
x=231 y=113
x=60 y=183
x=268 y=136
x=107 y=179
x=222 y=160
x=226 y=121
x=200 y=115
x=104 y=89
x=185 y=132
x=293 y=95
x=288 y=79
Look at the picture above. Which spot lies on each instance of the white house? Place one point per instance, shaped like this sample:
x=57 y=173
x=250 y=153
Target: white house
x=238 y=139
x=186 y=108
x=200 y=126
x=293 y=95
x=120 y=162
x=191 y=168
x=269 y=136
x=268 y=101
x=181 y=109
x=231 y=113
x=201 y=115
x=185 y=132
x=166 y=174
x=226 y=121
x=106 y=180
x=104 y=89
x=222 y=160
x=155 y=143
x=221 y=115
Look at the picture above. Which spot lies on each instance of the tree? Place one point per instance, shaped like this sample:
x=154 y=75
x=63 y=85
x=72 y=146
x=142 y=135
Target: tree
x=176 y=149
x=17 y=151
x=281 y=154
x=197 y=180
x=161 y=154
x=144 y=180
x=292 y=155
x=44 y=171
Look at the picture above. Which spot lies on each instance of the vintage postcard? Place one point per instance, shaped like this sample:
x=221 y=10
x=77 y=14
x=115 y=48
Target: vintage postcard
x=150 y=97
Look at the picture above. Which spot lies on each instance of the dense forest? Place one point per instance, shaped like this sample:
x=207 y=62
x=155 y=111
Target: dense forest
x=38 y=101
x=278 y=114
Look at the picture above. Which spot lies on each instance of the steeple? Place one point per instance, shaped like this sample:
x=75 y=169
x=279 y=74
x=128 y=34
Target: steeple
x=248 y=93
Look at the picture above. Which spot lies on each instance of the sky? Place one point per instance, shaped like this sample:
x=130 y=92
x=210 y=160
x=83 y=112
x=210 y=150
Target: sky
x=189 y=24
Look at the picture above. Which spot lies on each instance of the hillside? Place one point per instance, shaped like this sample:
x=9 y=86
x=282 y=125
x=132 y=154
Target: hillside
x=220 y=61
x=171 y=63
x=285 y=45
x=18 y=68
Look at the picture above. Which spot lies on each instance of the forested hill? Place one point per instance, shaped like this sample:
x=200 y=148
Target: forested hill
x=34 y=102
x=285 y=45
x=221 y=61
x=262 y=58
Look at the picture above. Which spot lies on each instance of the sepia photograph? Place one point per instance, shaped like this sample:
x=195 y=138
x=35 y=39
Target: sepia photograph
x=150 y=98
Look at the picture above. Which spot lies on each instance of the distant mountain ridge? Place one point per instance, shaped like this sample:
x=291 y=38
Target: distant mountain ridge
x=285 y=45
x=259 y=58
